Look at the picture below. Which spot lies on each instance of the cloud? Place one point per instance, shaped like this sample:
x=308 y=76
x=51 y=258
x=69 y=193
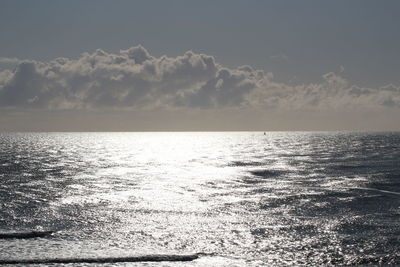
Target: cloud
x=8 y=63
x=9 y=60
x=134 y=79
x=281 y=57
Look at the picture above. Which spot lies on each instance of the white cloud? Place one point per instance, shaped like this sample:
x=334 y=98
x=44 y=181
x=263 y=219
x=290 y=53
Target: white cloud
x=9 y=60
x=133 y=79
x=281 y=56
x=8 y=63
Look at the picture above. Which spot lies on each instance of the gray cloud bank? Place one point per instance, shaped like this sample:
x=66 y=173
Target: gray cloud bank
x=134 y=79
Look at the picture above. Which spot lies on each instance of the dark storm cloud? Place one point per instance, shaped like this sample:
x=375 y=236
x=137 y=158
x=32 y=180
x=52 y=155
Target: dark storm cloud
x=135 y=79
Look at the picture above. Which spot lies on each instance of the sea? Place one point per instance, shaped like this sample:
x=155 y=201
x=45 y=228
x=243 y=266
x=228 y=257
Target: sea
x=229 y=198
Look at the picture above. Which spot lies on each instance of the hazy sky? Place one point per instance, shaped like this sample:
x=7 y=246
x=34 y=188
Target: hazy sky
x=251 y=65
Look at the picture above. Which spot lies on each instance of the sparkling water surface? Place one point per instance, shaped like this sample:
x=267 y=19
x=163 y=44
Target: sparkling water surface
x=284 y=198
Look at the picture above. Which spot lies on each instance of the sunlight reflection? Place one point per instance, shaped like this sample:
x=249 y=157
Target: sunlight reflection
x=279 y=198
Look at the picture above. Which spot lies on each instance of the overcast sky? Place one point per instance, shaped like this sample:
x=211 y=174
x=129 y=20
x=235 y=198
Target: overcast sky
x=199 y=65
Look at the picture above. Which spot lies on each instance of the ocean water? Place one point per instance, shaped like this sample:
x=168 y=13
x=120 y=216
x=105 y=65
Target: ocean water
x=237 y=199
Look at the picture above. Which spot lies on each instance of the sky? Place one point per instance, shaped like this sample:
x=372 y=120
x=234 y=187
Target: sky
x=172 y=65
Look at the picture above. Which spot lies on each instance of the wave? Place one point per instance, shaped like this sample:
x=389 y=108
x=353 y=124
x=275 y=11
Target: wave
x=384 y=192
x=143 y=258
x=239 y=163
x=23 y=235
x=376 y=260
x=268 y=173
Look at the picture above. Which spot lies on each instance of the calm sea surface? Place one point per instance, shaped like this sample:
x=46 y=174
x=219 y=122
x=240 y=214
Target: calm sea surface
x=238 y=198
